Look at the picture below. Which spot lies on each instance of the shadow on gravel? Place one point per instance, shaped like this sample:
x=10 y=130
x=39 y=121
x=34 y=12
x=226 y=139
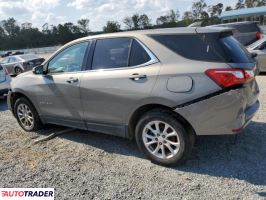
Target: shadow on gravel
x=222 y=156
x=217 y=156
x=3 y=104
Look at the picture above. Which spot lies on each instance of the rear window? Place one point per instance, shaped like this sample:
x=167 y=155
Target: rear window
x=234 y=52
x=206 y=47
x=188 y=46
x=138 y=55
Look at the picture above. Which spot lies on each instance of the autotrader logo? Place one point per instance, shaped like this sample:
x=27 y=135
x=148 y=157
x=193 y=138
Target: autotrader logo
x=27 y=193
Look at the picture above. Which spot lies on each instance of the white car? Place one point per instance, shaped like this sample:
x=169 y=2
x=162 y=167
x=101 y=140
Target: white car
x=5 y=80
x=259 y=48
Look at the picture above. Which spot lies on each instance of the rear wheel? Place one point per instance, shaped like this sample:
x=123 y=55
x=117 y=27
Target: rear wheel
x=27 y=115
x=18 y=70
x=163 y=139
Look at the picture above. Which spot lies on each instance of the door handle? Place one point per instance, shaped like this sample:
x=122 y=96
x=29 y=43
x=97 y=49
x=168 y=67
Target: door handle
x=72 y=80
x=136 y=77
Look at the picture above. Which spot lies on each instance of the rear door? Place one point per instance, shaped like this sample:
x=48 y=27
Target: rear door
x=57 y=92
x=123 y=73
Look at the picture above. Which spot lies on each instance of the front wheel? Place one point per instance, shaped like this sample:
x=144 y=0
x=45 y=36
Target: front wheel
x=26 y=115
x=18 y=71
x=163 y=139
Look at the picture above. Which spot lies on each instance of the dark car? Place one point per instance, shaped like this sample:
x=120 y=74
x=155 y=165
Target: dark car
x=10 y=53
x=21 y=63
x=245 y=32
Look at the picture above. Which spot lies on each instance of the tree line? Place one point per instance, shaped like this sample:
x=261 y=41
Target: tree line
x=14 y=36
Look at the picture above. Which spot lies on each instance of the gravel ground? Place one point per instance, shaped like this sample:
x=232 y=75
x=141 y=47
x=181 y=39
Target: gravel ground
x=83 y=165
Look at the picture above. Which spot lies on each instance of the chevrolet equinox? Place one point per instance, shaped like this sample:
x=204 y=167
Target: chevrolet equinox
x=162 y=87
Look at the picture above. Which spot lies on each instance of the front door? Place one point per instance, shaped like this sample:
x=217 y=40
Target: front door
x=58 y=93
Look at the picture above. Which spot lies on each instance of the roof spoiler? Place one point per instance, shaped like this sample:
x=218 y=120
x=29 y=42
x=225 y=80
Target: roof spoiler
x=223 y=32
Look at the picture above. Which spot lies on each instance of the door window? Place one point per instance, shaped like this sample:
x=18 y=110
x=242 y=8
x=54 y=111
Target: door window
x=69 y=60
x=118 y=53
x=5 y=61
x=111 y=53
x=12 y=60
x=138 y=54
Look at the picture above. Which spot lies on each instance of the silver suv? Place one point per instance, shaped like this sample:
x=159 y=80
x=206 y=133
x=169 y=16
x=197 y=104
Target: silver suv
x=161 y=87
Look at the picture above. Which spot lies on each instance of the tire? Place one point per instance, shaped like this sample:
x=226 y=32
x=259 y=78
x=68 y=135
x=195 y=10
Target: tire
x=179 y=134
x=18 y=71
x=21 y=105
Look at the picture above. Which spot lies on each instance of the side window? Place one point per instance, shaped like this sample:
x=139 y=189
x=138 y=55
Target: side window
x=111 y=53
x=69 y=60
x=12 y=60
x=138 y=54
x=5 y=61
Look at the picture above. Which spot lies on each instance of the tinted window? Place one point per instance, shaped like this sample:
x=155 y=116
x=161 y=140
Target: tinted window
x=69 y=60
x=188 y=46
x=1 y=68
x=234 y=52
x=111 y=53
x=245 y=28
x=12 y=60
x=138 y=55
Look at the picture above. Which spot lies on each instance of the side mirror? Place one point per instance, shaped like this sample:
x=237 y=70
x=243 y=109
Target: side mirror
x=38 y=70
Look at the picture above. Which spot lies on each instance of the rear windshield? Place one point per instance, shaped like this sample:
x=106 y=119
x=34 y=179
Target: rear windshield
x=206 y=47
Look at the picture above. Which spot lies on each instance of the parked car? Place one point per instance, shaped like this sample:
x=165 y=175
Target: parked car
x=245 y=32
x=10 y=53
x=4 y=81
x=162 y=87
x=21 y=63
x=259 y=48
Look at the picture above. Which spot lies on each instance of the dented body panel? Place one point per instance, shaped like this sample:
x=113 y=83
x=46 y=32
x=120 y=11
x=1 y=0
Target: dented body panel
x=226 y=113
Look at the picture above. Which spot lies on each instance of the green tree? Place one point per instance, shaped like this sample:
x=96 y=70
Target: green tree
x=11 y=27
x=240 y=4
x=187 y=18
x=216 y=10
x=84 y=25
x=111 y=26
x=171 y=17
x=198 y=9
x=137 y=22
x=228 y=8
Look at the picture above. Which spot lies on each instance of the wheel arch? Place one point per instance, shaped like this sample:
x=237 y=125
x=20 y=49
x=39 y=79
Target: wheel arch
x=15 y=96
x=139 y=112
x=18 y=66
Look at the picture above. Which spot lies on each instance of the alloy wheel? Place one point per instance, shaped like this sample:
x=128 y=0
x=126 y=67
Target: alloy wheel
x=161 y=139
x=25 y=116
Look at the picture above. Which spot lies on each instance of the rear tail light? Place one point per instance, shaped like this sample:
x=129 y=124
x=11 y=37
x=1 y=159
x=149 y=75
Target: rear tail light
x=230 y=77
x=259 y=35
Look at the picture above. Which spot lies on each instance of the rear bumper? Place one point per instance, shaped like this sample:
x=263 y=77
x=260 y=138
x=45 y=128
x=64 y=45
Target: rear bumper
x=227 y=113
